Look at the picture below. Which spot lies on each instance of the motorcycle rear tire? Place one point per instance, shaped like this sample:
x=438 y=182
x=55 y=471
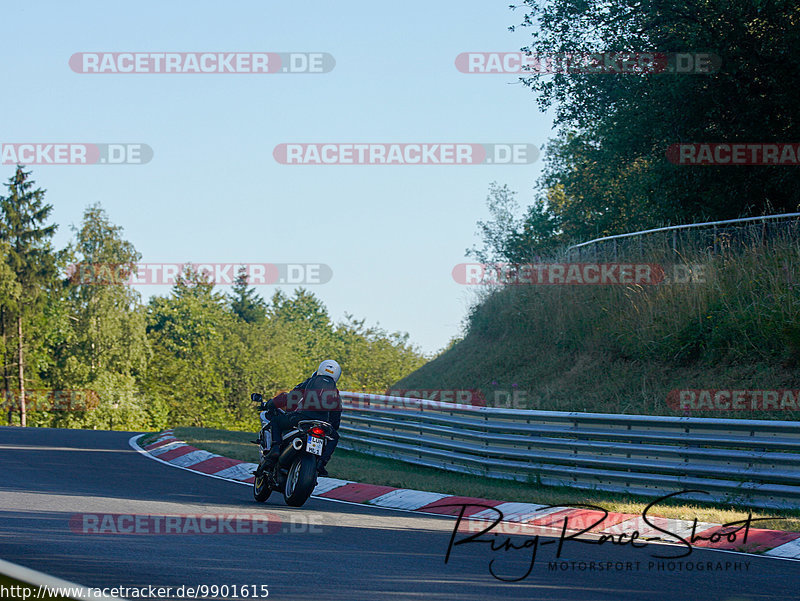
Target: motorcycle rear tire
x=301 y=480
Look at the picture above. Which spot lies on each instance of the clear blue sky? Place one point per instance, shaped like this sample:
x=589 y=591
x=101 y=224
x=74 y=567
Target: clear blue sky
x=213 y=191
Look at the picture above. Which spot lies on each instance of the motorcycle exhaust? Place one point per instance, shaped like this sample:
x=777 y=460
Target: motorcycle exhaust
x=288 y=455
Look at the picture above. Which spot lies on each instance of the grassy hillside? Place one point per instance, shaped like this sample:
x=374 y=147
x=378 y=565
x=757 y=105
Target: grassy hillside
x=623 y=348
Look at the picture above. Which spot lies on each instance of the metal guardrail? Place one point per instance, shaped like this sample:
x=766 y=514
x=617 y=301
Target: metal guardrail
x=746 y=462
x=686 y=226
x=716 y=228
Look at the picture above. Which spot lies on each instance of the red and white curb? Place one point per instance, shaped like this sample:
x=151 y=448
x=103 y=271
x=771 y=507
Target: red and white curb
x=168 y=449
x=518 y=518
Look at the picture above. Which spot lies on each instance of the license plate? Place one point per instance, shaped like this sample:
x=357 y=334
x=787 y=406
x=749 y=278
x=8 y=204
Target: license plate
x=314 y=445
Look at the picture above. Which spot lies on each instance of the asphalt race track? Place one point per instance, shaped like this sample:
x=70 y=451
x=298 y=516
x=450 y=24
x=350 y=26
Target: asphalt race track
x=325 y=550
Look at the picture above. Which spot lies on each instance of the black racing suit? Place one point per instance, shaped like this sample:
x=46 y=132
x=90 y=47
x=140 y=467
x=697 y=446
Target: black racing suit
x=315 y=398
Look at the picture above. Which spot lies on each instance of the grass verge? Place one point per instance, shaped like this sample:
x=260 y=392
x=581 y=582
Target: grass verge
x=359 y=467
x=625 y=348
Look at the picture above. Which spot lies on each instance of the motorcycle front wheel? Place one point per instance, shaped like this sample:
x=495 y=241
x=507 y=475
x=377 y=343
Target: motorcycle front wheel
x=261 y=490
x=301 y=480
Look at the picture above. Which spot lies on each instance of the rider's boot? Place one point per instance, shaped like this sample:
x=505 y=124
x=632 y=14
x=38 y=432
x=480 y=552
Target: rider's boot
x=271 y=458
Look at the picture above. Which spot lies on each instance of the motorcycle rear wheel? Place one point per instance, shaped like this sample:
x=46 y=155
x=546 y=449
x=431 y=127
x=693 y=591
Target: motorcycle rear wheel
x=301 y=480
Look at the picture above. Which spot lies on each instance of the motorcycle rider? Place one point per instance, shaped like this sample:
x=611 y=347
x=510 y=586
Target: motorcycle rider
x=315 y=398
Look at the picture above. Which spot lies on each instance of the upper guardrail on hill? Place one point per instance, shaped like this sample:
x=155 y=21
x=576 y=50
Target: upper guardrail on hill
x=717 y=229
x=746 y=462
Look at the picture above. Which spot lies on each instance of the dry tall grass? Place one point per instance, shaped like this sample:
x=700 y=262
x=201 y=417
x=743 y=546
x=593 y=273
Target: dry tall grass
x=622 y=348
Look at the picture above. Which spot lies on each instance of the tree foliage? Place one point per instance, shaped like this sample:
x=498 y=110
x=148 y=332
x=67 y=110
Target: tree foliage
x=244 y=300
x=606 y=171
x=509 y=238
x=191 y=357
x=29 y=256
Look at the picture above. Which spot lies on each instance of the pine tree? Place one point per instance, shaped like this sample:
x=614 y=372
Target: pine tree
x=9 y=295
x=244 y=301
x=30 y=256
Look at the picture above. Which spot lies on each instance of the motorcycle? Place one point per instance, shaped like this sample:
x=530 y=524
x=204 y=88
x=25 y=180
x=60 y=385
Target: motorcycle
x=295 y=472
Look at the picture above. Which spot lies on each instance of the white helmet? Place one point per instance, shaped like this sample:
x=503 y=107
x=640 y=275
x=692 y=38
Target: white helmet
x=329 y=368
